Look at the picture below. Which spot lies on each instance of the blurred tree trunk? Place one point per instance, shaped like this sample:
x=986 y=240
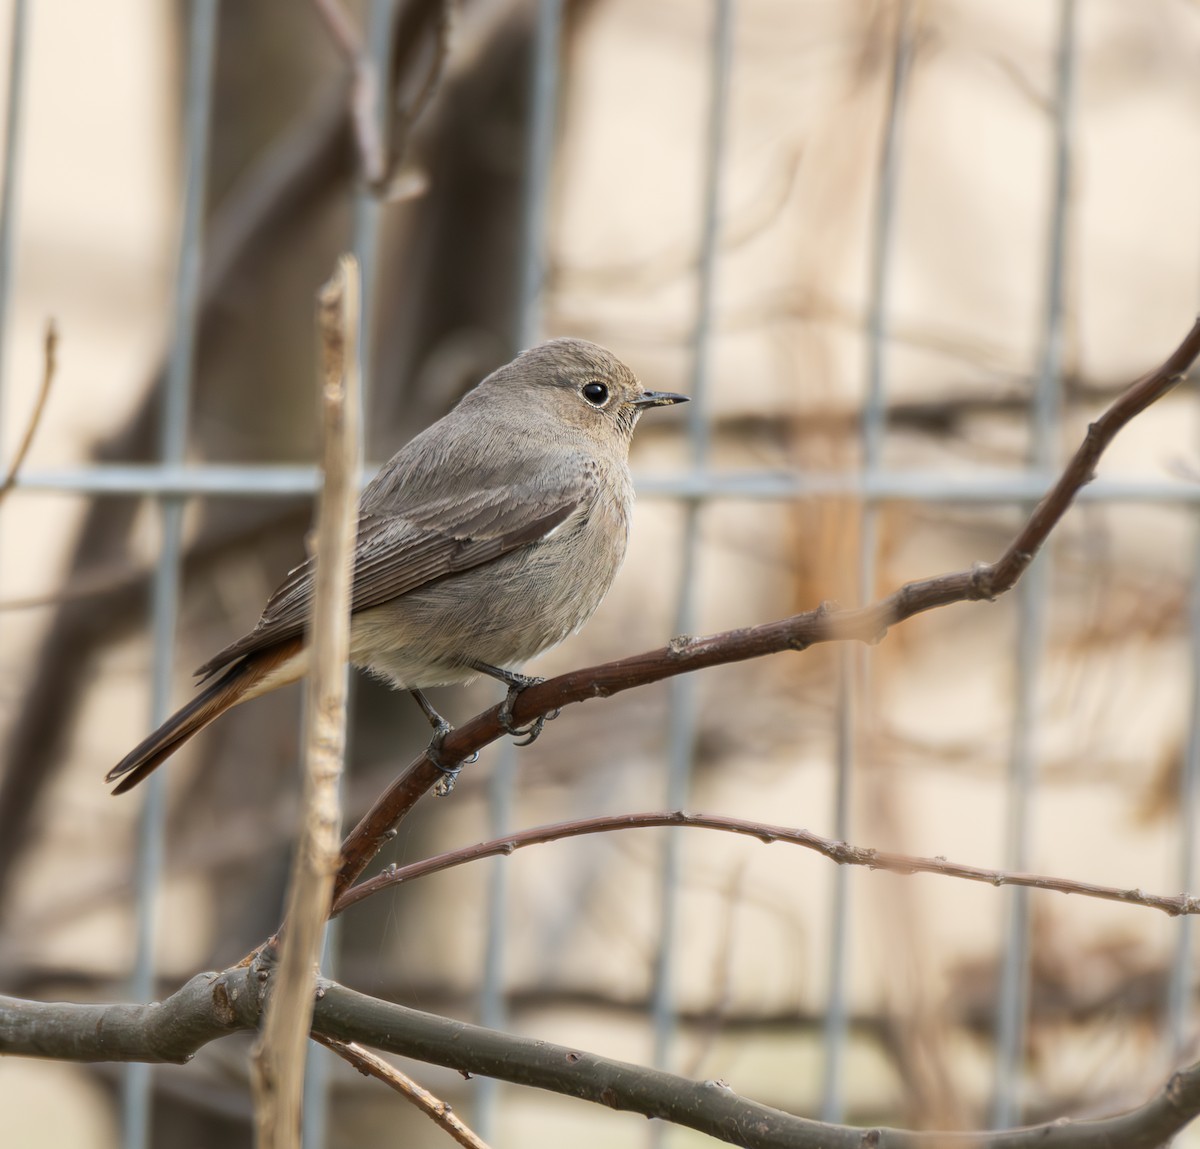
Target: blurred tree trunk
x=446 y=314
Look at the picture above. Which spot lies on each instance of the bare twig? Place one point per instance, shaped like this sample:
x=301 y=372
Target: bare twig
x=381 y=123
x=685 y=654
x=437 y=1110
x=841 y=852
x=50 y=363
x=279 y=1059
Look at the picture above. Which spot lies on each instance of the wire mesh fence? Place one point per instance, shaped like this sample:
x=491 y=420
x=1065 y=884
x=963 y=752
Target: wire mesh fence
x=898 y=255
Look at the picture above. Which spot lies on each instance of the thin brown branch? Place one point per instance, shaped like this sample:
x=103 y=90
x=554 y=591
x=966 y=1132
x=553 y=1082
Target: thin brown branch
x=685 y=654
x=212 y=1005
x=50 y=364
x=841 y=852
x=278 y=1067
x=372 y=1065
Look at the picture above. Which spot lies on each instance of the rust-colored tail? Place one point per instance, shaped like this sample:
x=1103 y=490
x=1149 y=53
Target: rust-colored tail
x=234 y=686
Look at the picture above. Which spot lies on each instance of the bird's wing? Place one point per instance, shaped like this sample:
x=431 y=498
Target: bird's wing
x=396 y=553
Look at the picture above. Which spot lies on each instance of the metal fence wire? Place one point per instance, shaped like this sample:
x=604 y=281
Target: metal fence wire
x=890 y=351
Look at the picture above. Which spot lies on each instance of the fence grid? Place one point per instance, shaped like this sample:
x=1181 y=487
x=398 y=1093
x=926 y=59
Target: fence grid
x=173 y=481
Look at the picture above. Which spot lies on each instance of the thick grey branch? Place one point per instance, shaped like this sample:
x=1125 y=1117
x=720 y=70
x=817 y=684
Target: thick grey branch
x=211 y=1005
x=207 y=1007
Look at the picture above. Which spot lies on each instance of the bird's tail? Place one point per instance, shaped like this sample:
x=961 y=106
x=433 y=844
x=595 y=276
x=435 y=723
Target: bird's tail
x=243 y=680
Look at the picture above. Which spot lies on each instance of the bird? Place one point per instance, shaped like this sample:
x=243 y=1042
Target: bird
x=486 y=540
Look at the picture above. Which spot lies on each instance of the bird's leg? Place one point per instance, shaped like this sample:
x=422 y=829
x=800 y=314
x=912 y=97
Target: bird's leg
x=440 y=726
x=440 y=729
x=515 y=683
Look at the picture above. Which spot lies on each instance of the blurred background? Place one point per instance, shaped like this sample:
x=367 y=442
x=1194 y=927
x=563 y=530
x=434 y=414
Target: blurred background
x=900 y=253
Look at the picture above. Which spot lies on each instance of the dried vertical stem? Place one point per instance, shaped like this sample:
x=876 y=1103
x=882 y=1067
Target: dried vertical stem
x=279 y=1058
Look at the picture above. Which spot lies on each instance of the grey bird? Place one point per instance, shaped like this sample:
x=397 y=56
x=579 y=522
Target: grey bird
x=486 y=540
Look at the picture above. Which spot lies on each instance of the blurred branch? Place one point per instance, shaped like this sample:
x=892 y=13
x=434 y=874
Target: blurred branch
x=340 y=27
x=841 y=852
x=50 y=362
x=212 y=1005
x=278 y=1064
x=828 y=623
x=443 y=27
x=303 y=168
x=652 y=271
x=379 y=156
x=372 y=1065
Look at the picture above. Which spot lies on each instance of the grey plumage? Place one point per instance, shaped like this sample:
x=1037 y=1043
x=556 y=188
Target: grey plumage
x=489 y=538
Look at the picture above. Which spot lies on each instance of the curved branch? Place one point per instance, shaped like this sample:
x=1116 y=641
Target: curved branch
x=211 y=1005
x=685 y=654
x=1174 y=905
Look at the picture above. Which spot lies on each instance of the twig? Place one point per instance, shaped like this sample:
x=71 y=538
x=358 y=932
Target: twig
x=437 y=1110
x=442 y=31
x=380 y=137
x=89 y=585
x=50 y=361
x=841 y=852
x=686 y=654
x=278 y=1067
x=340 y=27
x=213 y=1005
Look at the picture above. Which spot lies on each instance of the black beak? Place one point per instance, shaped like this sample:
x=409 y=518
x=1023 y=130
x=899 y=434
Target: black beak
x=658 y=399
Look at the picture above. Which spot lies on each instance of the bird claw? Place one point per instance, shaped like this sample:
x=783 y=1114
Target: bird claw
x=449 y=774
x=522 y=735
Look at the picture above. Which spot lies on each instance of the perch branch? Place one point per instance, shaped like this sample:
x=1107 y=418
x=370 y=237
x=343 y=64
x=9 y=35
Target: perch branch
x=685 y=654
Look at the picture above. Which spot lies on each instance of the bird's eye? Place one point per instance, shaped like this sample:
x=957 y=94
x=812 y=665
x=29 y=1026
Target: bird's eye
x=595 y=393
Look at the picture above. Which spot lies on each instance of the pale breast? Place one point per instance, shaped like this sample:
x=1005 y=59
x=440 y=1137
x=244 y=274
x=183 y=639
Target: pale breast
x=504 y=612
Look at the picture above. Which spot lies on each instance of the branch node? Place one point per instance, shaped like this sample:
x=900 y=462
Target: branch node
x=223 y=1002
x=982 y=584
x=679 y=644
x=1175 y=1089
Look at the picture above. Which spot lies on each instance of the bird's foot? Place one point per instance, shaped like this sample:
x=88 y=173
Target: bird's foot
x=522 y=735
x=515 y=682
x=441 y=728
x=449 y=773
